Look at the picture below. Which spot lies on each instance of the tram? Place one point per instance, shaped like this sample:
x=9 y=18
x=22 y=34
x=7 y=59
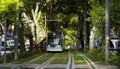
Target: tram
x=54 y=42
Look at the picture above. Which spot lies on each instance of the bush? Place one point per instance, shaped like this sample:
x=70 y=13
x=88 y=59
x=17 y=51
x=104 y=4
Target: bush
x=114 y=60
x=98 y=53
x=24 y=54
x=101 y=55
x=93 y=51
x=10 y=57
x=1 y=59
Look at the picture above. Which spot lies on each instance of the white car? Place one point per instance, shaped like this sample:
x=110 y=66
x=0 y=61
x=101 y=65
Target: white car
x=8 y=51
x=1 y=47
x=115 y=45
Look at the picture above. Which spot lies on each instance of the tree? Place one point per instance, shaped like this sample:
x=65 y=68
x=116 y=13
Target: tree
x=9 y=9
x=97 y=16
x=34 y=15
x=115 y=16
x=65 y=8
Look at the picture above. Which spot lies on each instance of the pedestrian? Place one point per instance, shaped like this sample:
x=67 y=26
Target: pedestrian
x=95 y=43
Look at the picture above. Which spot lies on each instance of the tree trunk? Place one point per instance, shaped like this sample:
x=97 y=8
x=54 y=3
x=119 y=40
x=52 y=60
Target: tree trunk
x=81 y=31
x=87 y=34
x=31 y=42
x=21 y=39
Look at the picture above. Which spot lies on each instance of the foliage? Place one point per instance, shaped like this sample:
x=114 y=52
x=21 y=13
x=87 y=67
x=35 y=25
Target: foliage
x=93 y=51
x=97 y=56
x=10 y=57
x=114 y=60
x=8 y=8
x=99 y=53
x=115 y=15
x=97 y=15
x=1 y=59
x=25 y=54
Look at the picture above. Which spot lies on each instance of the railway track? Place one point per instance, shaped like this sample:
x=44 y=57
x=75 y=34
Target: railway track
x=89 y=62
x=47 y=62
x=28 y=62
x=89 y=65
x=70 y=64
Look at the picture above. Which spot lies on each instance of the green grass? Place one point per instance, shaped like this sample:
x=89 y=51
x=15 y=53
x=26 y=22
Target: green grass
x=54 y=68
x=5 y=68
x=96 y=60
x=78 y=59
x=26 y=68
x=43 y=59
x=22 y=60
x=61 y=59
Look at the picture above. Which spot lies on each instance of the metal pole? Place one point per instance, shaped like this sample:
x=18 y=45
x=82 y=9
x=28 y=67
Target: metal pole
x=46 y=29
x=16 y=35
x=5 y=35
x=16 y=43
x=84 y=27
x=107 y=30
x=45 y=26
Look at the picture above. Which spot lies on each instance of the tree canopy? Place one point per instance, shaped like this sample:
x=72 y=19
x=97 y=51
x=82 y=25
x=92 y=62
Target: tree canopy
x=73 y=13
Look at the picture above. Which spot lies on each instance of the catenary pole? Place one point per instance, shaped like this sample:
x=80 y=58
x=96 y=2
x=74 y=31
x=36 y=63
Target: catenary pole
x=5 y=35
x=107 y=30
x=84 y=26
x=16 y=33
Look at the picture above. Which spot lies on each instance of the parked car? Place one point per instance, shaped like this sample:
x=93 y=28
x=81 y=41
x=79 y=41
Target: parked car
x=8 y=51
x=10 y=43
x=1 y=47
x=115 y=45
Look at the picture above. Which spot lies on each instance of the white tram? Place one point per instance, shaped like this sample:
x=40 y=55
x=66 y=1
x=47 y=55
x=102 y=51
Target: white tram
x=54 y=42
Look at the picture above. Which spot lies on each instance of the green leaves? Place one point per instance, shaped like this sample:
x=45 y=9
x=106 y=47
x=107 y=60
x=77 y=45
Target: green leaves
x=9 y=9
x=97 y=18
x=115 y=15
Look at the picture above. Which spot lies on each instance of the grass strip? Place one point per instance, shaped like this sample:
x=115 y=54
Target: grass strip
x=22 y=60
x=5 y=68
x=78 y=59
x=62 y=58
x=43 y=59
x=95 y=60
x=54 y=68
